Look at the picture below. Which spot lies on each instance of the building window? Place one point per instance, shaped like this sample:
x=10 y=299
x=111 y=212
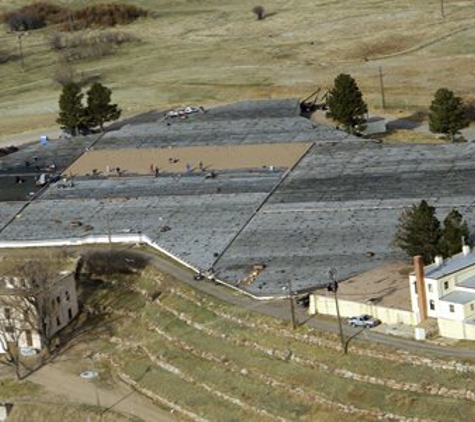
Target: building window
x=58 y=322
x=451 y=308
x=58 y=300
x=432 y=305
x=70 y=313
x=68 y=297
x=429 y=287
x=446 y=285
x=29 y=338
x=415 y=288
x=472 y=307
x=8 y=313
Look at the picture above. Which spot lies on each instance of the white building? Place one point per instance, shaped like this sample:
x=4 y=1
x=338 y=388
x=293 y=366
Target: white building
x=60 y=301
x=445 y=291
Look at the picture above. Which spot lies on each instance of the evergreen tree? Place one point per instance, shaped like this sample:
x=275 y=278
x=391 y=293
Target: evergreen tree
x=447 y=113
x=346 y=103
x=455 y=228
x=419 y=232
x=71 y=111
x=99 y=108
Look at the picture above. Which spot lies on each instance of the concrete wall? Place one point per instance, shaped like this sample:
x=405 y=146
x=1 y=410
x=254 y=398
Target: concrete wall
x=326 y=305
x=456 y=329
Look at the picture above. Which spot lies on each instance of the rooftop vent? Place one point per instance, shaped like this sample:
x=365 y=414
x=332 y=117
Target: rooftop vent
x=439 y=260
x=466 y=250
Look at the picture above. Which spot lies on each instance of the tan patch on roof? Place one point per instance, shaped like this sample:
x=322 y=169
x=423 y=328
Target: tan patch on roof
x=175 y=160
x=387 y=285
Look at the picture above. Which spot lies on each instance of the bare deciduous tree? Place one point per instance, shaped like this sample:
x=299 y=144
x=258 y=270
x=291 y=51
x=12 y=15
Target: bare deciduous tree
x=26 y=307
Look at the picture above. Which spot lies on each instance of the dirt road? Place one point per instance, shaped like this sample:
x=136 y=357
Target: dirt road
x=76 y=389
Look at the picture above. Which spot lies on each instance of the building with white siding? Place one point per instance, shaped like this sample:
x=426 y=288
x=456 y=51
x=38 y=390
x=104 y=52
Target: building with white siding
x=445 y=291
x=18 y=321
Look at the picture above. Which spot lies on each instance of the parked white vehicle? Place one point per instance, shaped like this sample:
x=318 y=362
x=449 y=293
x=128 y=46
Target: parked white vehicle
x=366 y=321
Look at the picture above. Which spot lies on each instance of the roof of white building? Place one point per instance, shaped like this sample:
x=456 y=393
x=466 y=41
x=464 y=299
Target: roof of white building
x=459 y=297
x=468 y=283
x=449 y=266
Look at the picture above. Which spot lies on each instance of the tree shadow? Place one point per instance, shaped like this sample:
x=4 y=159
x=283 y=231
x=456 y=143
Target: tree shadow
x=410 y=122
x=153 y=116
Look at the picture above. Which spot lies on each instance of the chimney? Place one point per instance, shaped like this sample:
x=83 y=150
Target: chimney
x=466 y=250
x=439 y=260
x=421 y=288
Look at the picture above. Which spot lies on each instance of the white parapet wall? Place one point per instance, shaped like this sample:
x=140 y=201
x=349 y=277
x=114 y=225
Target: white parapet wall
x=325 y=305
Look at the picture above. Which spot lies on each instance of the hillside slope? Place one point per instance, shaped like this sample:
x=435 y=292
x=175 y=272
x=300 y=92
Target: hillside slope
x=209 y=51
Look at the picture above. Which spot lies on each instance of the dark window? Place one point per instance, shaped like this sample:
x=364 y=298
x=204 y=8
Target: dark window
x=451 y=308
x=58 y=300
x=472 y=307
x=9 y=329
x=415 y=288
x=68 y=297
x=70 y=313
x=58 y=321
x=29 y=338
x=8 y=313
x=446 y=285
x=432 y=305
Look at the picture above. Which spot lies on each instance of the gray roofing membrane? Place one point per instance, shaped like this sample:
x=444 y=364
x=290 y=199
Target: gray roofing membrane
x=459 y=297
x=337 y=208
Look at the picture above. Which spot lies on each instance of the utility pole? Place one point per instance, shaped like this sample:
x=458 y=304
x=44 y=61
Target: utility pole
x=381 y=84
x=291 y=303
x=333 y=287
x=20 y=35
x=442 y=10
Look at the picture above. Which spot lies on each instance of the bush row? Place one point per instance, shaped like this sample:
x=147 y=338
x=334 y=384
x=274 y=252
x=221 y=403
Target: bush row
x=40 y=14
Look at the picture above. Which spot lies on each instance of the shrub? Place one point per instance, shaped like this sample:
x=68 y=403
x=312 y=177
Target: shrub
x=109 y=14
x=40 y=14
x=34 y=16
x=86 y=52
x=83 y=47
x=64 y=74
x=259 y=12
x=101 y=263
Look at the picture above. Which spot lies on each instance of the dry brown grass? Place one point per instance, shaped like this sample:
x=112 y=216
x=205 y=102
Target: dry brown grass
x=210 y=52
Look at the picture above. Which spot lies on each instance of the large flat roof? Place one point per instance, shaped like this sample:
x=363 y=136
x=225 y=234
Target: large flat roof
x=339 y=206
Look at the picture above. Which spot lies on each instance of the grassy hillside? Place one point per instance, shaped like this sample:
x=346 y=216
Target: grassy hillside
x=210 y=51
x=218 y=362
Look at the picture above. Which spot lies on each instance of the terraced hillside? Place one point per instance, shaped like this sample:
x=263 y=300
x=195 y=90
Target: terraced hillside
x=209 y=51
x=208 y=360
